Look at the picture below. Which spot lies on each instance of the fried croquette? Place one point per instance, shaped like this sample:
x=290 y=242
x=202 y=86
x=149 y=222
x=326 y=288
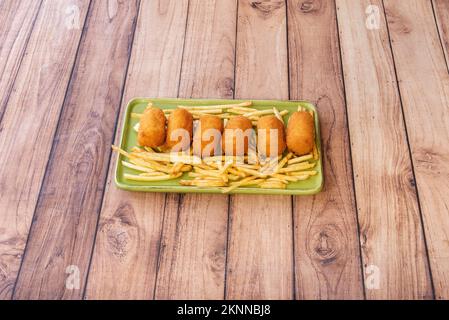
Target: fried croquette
x=179 y=130
x=152 y=128
x=300 y=133
x=270 y=136
x=207 y=136
x=236 y=136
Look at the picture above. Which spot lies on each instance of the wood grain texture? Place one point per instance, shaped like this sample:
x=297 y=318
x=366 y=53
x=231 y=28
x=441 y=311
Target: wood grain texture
x=424 y=87
x=127 y=245
x=28 y=127
x=17 y=20
x=193 y=250
x=390 y=225
x=327 y=259
x=260 y=248
x=70 y=199
x=441 y=10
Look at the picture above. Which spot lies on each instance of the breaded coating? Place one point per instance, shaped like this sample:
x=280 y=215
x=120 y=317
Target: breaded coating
x=300 y=133
x=152 y=128
x=179 y=130
x=269 y=127
x=207 y=136
x=236 y=136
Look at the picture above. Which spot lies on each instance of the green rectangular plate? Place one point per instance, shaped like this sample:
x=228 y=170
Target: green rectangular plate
x=128 y=140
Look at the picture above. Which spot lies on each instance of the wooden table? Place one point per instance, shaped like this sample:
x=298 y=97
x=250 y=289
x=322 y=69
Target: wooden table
x=378 y=73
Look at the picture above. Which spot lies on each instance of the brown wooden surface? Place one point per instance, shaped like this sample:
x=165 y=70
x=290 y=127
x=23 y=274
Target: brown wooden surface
x=28 y=126
x=441 y=11
x=125 y=259
x=390 y=225
x=327 y=256
x=18 y=18
x=70 y=196
x=193 y=244
x=425 y=100
x=382 y=96
x=260 y=245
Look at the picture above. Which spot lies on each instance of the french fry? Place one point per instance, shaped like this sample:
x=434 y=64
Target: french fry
x=297 y=167
x=186 y=168
x=303 y=177
x=233 y=177
x=121 y=151
x=284 y=177
x=136 y=115
x=278 y=115
x=284 y=161
x=240 y=110
x=301 y=173
x=300 y=159
x=315 y=152
x=140 y=162
x=236 y=185
x=259 y=113
x=206 y=111
x=249 y=166
x=225 y=167
x=248 y=183
x=224 y=115
x=212 y=173
x=265 y=112
x=204 y=166
x=152 y=156
x=221 y=106
x=152 y=178
x=272 y=185
x=151 y=174
x=136 y=167
x=251 y=172
x=237 y=173
x=136 y=149
x=158 y=167
x=203 y=183
x=277 y=180
x=224 y=158
x=177 y=167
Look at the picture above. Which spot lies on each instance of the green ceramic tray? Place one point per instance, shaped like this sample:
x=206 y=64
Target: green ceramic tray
x=310 y=186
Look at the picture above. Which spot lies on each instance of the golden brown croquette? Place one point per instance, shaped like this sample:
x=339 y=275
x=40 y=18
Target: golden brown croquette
x=179 y=130
x=207 y=136
x=268 y=128
x=236 y=136
x=151 y=131
x=300 y=133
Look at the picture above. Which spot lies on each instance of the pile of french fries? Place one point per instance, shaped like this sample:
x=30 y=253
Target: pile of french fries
x=225 y=172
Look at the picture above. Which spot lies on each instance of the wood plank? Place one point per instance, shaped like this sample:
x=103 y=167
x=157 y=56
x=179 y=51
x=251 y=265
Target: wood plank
x=441 y=10
x=193 y=250
x=327 y=259
x=424 y=86
x=129 y=233
x=260 y=248
x=71 y=195
x=18 y=18
x=392 y=241
x=28 y=127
